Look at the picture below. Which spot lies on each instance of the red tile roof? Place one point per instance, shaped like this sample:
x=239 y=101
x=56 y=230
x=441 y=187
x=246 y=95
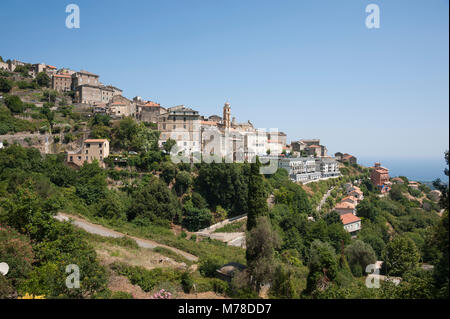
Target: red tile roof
x=349 y=218
x=345 y=205
x=95 y=140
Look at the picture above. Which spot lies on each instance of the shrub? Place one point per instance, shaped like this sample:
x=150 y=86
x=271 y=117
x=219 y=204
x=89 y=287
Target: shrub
x=187 y=282
x=209 y=265
x=14 y=103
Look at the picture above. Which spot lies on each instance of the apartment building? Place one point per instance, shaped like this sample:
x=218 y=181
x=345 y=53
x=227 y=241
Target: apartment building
x=379 y=176
x=181 y=124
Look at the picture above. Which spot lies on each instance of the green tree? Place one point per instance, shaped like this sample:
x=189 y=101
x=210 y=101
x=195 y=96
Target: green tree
x=91 y=184
x=42 y=79
x=367 y=210
x=168 y=145
x=257 y=202
x=183 y=181
x=262 y=241
x=196 y=218
x=23 y=70
x=5 y=85
x=323 y=266
x=153 y=201
x=359 y=255
x=14 y=103
x=16 y=251
x=112 y=206
x=168 y=172
x=400 y=255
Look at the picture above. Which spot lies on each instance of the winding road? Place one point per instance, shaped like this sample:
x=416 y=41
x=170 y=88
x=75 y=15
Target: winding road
x=106 y=232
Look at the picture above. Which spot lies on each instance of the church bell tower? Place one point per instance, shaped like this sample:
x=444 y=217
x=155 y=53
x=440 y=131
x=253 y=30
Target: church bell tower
x=226 y=115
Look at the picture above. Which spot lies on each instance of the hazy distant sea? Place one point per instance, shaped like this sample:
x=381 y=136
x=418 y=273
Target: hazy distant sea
x=419 y=169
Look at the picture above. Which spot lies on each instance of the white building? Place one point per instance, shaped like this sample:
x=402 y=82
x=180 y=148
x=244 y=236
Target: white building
x=351 y=223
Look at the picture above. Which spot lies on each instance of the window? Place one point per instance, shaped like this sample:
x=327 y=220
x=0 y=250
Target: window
x=101 y=152
x=86 y=151
x=88 y=145
x=87 y=157
x=71 y=158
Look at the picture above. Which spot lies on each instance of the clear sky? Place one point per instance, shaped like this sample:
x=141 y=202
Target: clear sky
x=309 y=68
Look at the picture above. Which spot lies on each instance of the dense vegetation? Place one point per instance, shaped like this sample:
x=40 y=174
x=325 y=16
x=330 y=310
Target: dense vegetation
x=300 y=251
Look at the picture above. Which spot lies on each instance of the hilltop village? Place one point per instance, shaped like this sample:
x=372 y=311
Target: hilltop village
x=222 y=138
x=168 y=202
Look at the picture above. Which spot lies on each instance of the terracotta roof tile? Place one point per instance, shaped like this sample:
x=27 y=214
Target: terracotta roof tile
x=349 y=218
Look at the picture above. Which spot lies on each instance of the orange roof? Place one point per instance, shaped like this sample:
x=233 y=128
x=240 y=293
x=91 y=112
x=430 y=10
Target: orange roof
x=62 y=76
x=95 y=140
x=51 y=66
x=315 y=146
x=353 y=198
x=151 y=104
x=349 y=218
x=345 y=205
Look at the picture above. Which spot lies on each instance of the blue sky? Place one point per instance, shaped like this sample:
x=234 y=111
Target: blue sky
x=309 y=68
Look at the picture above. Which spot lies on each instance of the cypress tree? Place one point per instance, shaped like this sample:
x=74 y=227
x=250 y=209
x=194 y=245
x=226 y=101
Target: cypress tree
x=257 y=204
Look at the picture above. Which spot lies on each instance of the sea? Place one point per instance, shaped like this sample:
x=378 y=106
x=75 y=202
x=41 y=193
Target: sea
x=417 y=169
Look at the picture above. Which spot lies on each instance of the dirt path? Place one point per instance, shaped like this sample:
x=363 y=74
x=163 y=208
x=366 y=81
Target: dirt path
x=233 y=238
x=106 y=232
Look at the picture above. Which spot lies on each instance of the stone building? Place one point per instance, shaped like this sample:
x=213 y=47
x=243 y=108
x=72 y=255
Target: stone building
x=84 y=78
x=120 y=106
x=91 y=149
x=61 y=82
x=88 y=94
x=181 y=124
x=94 y=94
x=4 y=66
x=150 y=111
x=12 y=64
x=345 y=157
x=309 y=147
